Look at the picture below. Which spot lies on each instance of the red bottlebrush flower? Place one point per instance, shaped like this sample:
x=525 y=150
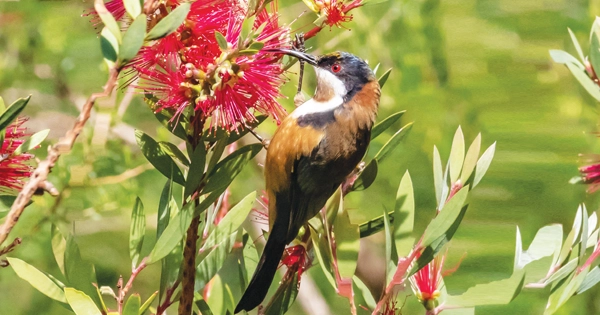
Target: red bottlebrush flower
x=336 y=13
x=590 y=174
x=427 y=281
x=189 y=69
x=13 y=168
x=296 y=259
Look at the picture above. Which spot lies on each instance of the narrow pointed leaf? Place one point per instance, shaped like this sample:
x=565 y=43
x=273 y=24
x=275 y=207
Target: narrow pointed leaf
x=564 y=57
x=221 y=41
x=391 y=255
x=382 y=126
x=147 y=304
x=576 y=44
x=585 y=81
x=59 y=244
x=107 y=19
x=391 y=144
x=81 y=303
x=32 y=142
x=438 y=175
x=384 y=77
x=133 y=38
x=137 y=230
x=366 y=177
x=484 y=163
x=591 y=279
x=37 y=279
x=80 y=274
x=232 y=221
x=563 y=272
x=471 y=159
x=347 y=240
x=133 y=8
x=196 y=171
x=109 y=45
x=457 y=155
x=285 y=295
x=172 y=234
x=174 y=152
x=170 y=23
x=493 y=293
x=444 y=220
x=404 y=215
x=13 y=111
x=158 y=157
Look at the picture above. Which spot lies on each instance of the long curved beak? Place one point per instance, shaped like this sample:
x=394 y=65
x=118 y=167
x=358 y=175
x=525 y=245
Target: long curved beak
x=310 y=59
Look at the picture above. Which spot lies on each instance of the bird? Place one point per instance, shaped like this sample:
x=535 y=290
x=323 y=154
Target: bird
x=311 y=153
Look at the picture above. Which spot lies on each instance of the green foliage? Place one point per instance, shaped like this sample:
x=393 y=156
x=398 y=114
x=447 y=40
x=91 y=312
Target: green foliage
x=170 y=23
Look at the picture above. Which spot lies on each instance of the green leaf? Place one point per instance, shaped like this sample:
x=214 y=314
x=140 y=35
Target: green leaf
x=564 y=291
x=81 y=303
x=147 y=304
x=457 y=155
x=576 y=44
x=219 y=133
x=591 y=279
x=564 y=57
x=231 y=222
x=595 y=45
x=392 y=143
x=158 y=157
x=493 y=293
x=174 y=126
x=585 y=81
x=164 y=208
x=362 y=291
x=471 y=159
x=137 y=231
x=438 y=176
x=32 y=142
x=404 y=215
x=12 y=112
x=366 y=177
x=391 y=254
x=109 y=45
x=212 y=259
x=170 y=264
x=170 y=23
x=174 y=152
x=383 y=78
x=59 y=244
x=37 y=279
x=196 y=171
x=347 y=240
x=133 y=38
x=132 y=306
x=108 y=20
x=547 y=242
x=202 y=305
x=323 y=255
x=563 y=272
x=444 y=220
x=256 y=45
x=382 y=126
x=374 y=225
x=80 y=274
x=173 y=234
x=484 y=163
x=133 y=8
x=221 y=40
x=226 y=170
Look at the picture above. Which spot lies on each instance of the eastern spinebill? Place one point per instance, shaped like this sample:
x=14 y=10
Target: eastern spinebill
x=312 y=152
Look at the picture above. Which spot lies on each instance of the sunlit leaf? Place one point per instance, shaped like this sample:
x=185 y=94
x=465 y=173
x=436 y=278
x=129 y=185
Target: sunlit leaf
x=59 y=244
x=576 y=44
x=174 y=152
x=80 y=274
x=172 y=234
x=547 y=242
x=108 y=20
x=81 y=303
x=471 y=159
x=158 y=157
x=382 y=126
x=32 y=142
x=132 y=306
x=493 y=293
x=232 y=221
x=585 y=81
x=564 y=291
x=133 y=8
x=442 y=222
x=362 y=292
x=13 y=111
x=133 y=38
x=37 y=279
x=404 y=215
x=221 y=40
x=590 y=280
x=366 y=177
x=173 y=125
x=211 y=260
x=564 y=57
x=384 y=77
x=137 y=230
x=438 y=175
x=170 y=23
x=457 y=155
x=594 y=55
x=347 y=240
x=109 y=45
x=484 y=163
x=147 y=304
x=563 y=272
x=391 y=254
x=323 y=256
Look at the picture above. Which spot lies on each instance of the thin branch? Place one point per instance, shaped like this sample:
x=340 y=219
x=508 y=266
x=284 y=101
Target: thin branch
x=39 y=176
x=130 y=173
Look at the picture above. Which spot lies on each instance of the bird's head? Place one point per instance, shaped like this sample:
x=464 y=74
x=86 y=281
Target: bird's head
x=339 y=74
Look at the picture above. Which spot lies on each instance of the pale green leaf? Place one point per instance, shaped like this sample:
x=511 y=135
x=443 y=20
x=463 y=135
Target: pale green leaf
x=484 y=163
x=32 y=142
x=37 y=279
x=132 y=306
x=133 y=8
x=471 y=159
x=438 y=175
x=109 y=45
x=170 y=23
x=576 y=44
x=231 y=222
x=444 y=220
x=13 y=111
x=108 y=20
x=404 y=215
x=564 y=57
x=382 y=126
x=133 y=38
x=347 y=240
x=384 y=77
x=457 y=155
x=547 y=242
x=81 y=303
x=493 y=293
x=137 y=230
x=59 y=244
x=147 y=304
x=587 y=83
x=172 y=234
x=221 y=40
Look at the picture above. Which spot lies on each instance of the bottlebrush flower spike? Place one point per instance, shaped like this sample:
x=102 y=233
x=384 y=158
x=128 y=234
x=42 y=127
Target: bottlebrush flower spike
x=427 y=281
x=296 y=259
x=13 y=168
x=189 y=69
x=590 y=174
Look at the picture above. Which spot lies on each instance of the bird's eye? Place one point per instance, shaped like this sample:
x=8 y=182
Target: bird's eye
x=336 y=68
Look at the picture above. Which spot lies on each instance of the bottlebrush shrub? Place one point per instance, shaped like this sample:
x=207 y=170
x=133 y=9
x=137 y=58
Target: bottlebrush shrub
x=204 y=70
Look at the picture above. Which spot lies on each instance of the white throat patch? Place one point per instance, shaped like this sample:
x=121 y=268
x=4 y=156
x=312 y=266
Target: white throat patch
x=311 y=106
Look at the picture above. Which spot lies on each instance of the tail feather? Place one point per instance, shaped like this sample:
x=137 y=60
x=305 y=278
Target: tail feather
x=265 y=271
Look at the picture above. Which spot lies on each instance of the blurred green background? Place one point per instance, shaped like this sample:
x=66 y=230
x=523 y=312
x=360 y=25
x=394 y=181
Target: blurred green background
x=480 y=64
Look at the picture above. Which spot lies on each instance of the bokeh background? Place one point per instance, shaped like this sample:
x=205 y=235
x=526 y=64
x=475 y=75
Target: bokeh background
x=480 y=64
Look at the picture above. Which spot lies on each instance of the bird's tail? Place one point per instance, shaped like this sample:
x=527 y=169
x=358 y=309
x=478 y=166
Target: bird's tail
x=267 y=266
